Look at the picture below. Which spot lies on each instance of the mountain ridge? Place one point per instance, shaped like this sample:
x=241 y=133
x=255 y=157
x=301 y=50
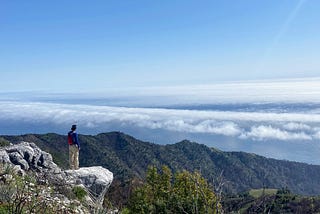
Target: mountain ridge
x=129 y=158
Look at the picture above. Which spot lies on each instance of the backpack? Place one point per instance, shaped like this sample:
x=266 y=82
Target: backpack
x=70 y=140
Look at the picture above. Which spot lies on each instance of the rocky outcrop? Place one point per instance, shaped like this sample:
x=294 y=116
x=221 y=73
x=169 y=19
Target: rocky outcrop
x=28 y=156
x=96 y=181
x=25 y=157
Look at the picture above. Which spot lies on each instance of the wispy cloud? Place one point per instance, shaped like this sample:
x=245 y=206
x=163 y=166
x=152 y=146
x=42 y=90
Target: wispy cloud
x=242 y=125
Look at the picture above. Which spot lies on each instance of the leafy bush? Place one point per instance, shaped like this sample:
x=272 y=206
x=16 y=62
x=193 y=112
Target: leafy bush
x=24 y=194
x=4 y=142
x=184 y=192
x=20 y=193
x=79 y=192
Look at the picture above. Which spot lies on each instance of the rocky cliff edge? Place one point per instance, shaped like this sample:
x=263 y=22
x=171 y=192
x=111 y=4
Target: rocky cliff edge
x=28 y=157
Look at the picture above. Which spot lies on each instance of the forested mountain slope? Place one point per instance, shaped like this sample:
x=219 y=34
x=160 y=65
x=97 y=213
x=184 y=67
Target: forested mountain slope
x=129 y=158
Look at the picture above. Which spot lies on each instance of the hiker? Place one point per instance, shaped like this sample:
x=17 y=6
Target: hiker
x=74 y=147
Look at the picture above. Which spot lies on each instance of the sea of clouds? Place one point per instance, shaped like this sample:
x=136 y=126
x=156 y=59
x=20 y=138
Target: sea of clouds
x=243 y=125
x=278 y=119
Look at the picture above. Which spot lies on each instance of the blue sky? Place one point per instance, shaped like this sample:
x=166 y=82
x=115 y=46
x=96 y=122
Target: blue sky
x=71 y=46
x=117 y=65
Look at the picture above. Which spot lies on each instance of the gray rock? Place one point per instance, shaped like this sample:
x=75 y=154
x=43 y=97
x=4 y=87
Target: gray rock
x=95 y=179
x=4 y=157
x=27 y=156
x=17 y=159
x=24 y=149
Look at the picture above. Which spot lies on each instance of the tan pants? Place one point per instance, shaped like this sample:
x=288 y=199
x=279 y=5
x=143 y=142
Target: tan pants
x=73 y=157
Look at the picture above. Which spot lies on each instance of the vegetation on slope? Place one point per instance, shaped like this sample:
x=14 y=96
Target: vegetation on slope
x=128 y=158
x=184 y=192
x=31 y=193
x=269 y=201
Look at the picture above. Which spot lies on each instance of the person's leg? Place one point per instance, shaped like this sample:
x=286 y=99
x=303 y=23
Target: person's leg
x=71 y=157
x=74 y=151
x=76 y=158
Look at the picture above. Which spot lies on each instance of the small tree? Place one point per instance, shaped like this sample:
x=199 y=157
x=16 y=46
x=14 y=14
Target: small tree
x=184 y=192
x=193 y=194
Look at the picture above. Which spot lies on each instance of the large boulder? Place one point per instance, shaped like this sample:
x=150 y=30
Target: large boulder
x=29 y=156
x=96 y=181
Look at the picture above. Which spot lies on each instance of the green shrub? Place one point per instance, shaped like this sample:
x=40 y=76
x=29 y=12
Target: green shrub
x=125 y=211
x=4 y=142
x=23 y=194
x=184 y=192
x=79 y=192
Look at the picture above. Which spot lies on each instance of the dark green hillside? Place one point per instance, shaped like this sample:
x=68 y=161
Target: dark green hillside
x=128 y=158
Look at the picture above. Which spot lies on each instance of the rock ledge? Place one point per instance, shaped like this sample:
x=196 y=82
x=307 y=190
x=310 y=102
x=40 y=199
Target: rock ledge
x=25 y=157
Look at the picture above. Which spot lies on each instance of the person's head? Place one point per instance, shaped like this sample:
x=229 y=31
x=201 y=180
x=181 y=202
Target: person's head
x=74 y=127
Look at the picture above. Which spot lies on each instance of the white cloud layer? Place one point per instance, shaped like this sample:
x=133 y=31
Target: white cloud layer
x=296 y=126
x=276 y=91
x=268 y=132
x=243 y=125
x=269 y=91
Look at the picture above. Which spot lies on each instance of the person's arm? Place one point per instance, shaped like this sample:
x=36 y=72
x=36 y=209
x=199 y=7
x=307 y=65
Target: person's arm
x=76 y=140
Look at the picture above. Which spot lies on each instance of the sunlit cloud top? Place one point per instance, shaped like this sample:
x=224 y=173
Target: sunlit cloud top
x=243 y=125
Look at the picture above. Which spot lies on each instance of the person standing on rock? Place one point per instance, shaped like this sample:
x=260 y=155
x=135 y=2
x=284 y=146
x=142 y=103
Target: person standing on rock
x=74 y=147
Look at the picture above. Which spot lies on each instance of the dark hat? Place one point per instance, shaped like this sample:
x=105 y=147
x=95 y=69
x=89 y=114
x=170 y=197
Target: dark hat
x=73 y=127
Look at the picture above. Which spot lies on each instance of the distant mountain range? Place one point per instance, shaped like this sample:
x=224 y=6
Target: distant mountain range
x=128 y=158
